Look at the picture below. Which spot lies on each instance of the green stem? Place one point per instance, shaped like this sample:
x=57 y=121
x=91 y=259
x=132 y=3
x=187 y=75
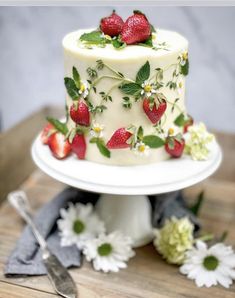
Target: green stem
x=174 y=104
x=206 y=237
x=113 y=70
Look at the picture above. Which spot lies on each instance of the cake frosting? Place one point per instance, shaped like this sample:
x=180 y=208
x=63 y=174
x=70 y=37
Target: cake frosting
x=165 y=59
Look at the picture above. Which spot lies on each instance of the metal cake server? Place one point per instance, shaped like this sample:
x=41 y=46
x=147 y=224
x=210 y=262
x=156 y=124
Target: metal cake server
x=57 y=273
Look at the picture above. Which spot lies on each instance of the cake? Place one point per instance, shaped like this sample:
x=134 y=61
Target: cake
x=125 y=98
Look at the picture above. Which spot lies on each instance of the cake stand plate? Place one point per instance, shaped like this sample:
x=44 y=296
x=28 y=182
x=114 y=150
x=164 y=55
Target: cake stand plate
x=123 y=204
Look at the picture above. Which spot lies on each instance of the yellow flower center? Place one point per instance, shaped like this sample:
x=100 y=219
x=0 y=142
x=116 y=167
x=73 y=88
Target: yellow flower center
x=185 y=55
x=141 y=148
x=82 y=88
x=108 y=37
x=171 y=131
x=147 y=88
x=97 y=129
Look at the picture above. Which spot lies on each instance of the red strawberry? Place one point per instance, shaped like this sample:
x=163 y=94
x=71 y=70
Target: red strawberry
x=58 y=145
x=119 y=139
x=79 y=145
x=47 y=130
x=111 y=25
x=188 y=123
x=136 y=29
x=80 y=113
x=174 y=147
x=154 y=114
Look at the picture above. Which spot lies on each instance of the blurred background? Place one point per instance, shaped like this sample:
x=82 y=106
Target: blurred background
x=31 y=57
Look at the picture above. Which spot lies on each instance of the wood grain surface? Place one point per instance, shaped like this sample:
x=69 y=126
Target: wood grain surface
x=147 y=274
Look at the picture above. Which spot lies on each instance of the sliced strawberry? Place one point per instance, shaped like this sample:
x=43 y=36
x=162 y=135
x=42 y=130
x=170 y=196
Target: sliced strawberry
x=80 y=113
x=119 y=139
x=47 y=130
x=155 y=113
x=188 y=123
x=112 y=25
x=136 y=29
x=174 y=147
x=59 y=146
x=79 y=145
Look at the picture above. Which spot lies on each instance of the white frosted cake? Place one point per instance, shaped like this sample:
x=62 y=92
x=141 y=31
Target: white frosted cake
x=125 y=96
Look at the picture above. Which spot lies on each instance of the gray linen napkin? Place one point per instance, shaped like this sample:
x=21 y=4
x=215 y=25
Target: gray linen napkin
x=26 y=257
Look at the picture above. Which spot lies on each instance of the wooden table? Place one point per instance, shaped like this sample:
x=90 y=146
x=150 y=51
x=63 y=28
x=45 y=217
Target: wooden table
x=147 y=274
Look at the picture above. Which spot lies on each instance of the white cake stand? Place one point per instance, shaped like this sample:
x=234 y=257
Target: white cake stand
x=123 y=204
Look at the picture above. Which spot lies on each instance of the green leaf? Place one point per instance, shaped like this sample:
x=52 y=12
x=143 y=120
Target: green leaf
x=153 y=141
x=76 y=77
x=184 y=69
x=143 y=74
x=131 y=89
x=117 y=44
x=180 y=120
x=93 y=140
x=94 y=37
x=197 y=206
x=140 y=133
x=61 y=127
x=71 y=88
x=102 y=148
x=148 y=43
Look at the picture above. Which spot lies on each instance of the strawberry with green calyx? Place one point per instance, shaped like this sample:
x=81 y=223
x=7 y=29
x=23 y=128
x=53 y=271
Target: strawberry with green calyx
x=136 y=29
x=48 y=130
x=154 y=109
x=112 y=25
x=78 y=145
x=174 y=144
x=119 y=139
x=79 y=113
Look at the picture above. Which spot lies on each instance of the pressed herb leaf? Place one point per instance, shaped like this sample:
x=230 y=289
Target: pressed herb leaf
x=153 y=141
x=131 y=89
x=94 y=37
x=180 y=120
x=143 y=74
x=76 y=77
x=184 y=69
x=71 y=88
x=61 y=127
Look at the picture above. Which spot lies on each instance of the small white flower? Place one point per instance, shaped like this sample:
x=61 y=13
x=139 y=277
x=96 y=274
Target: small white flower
x=78 y=224
x=148 y=89
x=109 y=252
x=183 y=58
x=84 y=88
x=173 y=130
x=210 y=266
x=141 y=149
x=96 y=130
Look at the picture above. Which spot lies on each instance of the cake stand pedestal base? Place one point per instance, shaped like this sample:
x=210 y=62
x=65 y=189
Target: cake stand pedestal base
x=129 y=214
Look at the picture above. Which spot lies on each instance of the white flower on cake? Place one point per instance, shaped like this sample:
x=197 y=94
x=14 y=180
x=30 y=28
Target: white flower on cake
x=210 y=266
x=183 y=58
x=78 y=224
x=173 y=130
x=84 y=89
x=198 y=141
x=96 y=130
x=141 y=149
x=148 y=89
x=109 y=252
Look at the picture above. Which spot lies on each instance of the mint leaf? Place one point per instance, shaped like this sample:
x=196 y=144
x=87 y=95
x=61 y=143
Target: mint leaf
x=117 y=44
x=184 y=69
x=143 y=74
x=101 y=146
x=94 y=37
x=61 y=127
x=131 y=89
x=71 y=88
x=180 y=120
x=153 y=141
x=140 y=133
x=76 y=77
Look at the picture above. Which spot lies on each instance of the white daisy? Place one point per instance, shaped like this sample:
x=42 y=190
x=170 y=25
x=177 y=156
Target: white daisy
x=84 y=88
x=148 y=89
x=183 y=58
x=210 y=266
x=96 y=130
x=141 y=149
x=78 y=224
x=173 y=130
x=109 y=252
